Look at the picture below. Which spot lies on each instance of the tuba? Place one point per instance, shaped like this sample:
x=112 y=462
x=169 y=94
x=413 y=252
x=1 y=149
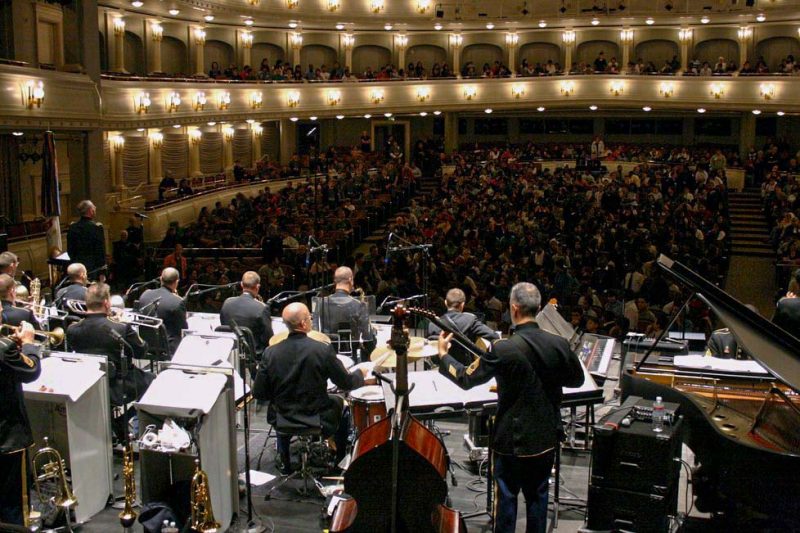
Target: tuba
x=128 y=516
x=49 y=467
x=203 y=520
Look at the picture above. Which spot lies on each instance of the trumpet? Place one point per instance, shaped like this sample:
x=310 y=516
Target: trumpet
x=51 y=338
x=49 y=468
x=203 y=519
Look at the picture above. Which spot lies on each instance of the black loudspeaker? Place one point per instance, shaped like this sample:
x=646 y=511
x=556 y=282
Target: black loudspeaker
x=3 y=242
x=623 y=510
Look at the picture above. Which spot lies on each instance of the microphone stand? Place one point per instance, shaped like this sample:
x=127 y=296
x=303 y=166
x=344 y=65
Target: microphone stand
x=123 y=372
x=408 y=246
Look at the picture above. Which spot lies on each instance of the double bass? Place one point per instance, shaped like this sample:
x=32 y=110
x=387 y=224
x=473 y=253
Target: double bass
x=401 y=451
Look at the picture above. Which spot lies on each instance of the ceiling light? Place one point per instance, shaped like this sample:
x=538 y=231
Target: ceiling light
x=423 y=113
x=542 y=24
x=490 y=25
x=540 y=108
x=647 y=109
x=293 y=119
x=209 y=18
x=780 y=113
x=248 y=22
x=649 y=21
x=593 y=108
x=761 y=17
x=595 y=21
x=756 y=111
x=704 y=19
x=701 y=110
x=312 y=118
x=293 y=24
x=174 y=12
x=340 y=26
x=368 y=116
x=137 y=3
x=17 y=133
x=437 y=113
x=388 y=26
x=139 y=129
x=387 y=115
x=339 y=117
x=176 y=126
x=488 y=110
x=437 y=26
x=211 y=123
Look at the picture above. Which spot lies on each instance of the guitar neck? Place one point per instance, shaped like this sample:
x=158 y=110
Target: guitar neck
x=459 y=337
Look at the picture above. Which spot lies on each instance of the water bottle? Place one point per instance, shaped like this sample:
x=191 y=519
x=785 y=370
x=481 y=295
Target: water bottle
x=658 y=415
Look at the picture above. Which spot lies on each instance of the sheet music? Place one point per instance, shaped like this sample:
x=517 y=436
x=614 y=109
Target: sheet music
x=214 y=351
x=182 y=393
x=203 y=322
x=278 y=326
x=68 y=377
x=701 y=362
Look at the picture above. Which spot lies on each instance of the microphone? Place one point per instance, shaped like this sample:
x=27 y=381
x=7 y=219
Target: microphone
x=308 y=252
x=153 y=303
x=116 y=335
x=386 y=255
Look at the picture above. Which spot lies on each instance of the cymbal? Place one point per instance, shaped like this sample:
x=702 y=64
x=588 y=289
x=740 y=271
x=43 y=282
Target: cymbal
x=386 y=357
x=283 y=335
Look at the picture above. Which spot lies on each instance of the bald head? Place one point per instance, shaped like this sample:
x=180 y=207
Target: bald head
x=7 y=288
x=77 y=273
x=297 y=317
x=170 y=278
x=251 y=282
x=455 y=299
x=343 y=278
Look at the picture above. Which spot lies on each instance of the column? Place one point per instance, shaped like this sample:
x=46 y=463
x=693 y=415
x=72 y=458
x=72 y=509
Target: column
x=512 y=39
x=246 y=41
x=195 y=135
x=117 y=145
x=197 y=35
x=747 y=132
x=288 y=140
x=455 y=43
x=450 y=132
x=744 y=33
x=156 y=33
x=256 y=131
x=118 y=27
x=400 y=43
x=568 y=38
x=227 y=148
x=155 y=141
x=347 y=41
x=626 y=40
x=685 y=38
x=295 y=44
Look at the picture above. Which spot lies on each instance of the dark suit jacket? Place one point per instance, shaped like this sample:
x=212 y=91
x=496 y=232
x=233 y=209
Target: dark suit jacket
x=92 y=335
x=15 y=429
x=787 y=315
x=469 y=325
x=13 y=315
x=342 y=311
x=248 y=312
x=74 y=291
x=86 y=243
x=530 y=367
x=171 y=308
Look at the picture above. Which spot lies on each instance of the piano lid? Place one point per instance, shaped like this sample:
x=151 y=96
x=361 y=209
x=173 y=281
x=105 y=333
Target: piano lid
x=777 y=350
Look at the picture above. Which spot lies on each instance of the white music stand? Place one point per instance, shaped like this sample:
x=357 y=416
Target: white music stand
x=70 y=404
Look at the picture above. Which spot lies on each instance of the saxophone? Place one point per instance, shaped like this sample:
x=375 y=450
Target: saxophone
x=128 y=516
x=36 y=293
x=358 y=292
x=203 y=520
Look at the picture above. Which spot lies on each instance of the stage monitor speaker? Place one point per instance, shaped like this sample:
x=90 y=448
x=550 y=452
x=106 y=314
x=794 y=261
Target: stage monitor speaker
x=623 y=510
x=3 y=242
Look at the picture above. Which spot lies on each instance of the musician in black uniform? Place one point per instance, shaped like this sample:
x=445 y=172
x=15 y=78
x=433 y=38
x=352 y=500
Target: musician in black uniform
x=9 y=263
x=19 y=363
x=466 y=323
x=530 y=367
x=787 y=312
x=76 y=289
x=293 y=377
x=340 y=311
x=168 y=306
x=12 y=314
x=247 y=311
x=86 y=239
x=98 y=333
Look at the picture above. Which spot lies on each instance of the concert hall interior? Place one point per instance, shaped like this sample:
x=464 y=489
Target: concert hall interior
x=399 y=265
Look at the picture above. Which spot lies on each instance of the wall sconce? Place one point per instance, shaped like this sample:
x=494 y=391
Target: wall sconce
x=293 y=99
x=568 y=37
x=666 y=89
x=617 y=88
x=141 y=102
x=157 y=30
x=401 y=41
x=253 y=2
x=199 y=36
x=223 y=100
x=258 y=130
x=199 y=101
x=717 y=90
x=195 y=136
x=376 y=96
x=456 y=39
x=156 y=139
x=173 y=101
x=348 y=39
x=291 y=4
x=470 y=92
x=626 y=36
x=423 y=6
x=227 y=133
x=256 y=99
x=767 y=90
x=685 y=35
x=517 y=90
x=117 y=143
x=296 y=40
x=334 y=96
x=744 y=33
x=247 y=39
x=334 y=5
x=567 y=87
x=512 y=39
x=376 y=6
x=119 y=26
x=34 y=94
x=423 y=94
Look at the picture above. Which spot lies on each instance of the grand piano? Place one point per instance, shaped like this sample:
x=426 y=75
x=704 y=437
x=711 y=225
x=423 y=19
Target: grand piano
x=743 y=427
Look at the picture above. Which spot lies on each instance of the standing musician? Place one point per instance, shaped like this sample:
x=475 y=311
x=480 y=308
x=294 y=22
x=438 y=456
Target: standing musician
x=9 y=263
x=86 y=241
x=341 y=311
x=530 y=367
x=76 y=290
x=97 y=333
x=19 y=363
x=248 y=311
x=165 y=304
x=293 y=377
x=787 y=312
x=466 y=323
x=13 y=315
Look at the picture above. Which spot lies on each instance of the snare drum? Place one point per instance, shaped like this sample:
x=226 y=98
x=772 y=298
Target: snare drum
x=367 y=406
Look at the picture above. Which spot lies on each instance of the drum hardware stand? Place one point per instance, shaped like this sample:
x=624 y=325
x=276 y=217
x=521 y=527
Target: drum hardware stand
x=557 y=500
x=489 y=480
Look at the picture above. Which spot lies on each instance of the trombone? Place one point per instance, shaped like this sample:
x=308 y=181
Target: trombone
x=122 y=316
x=51 y=338
x=43 y=311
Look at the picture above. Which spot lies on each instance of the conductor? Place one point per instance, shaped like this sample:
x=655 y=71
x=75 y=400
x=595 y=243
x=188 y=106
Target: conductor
x=86 y=239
